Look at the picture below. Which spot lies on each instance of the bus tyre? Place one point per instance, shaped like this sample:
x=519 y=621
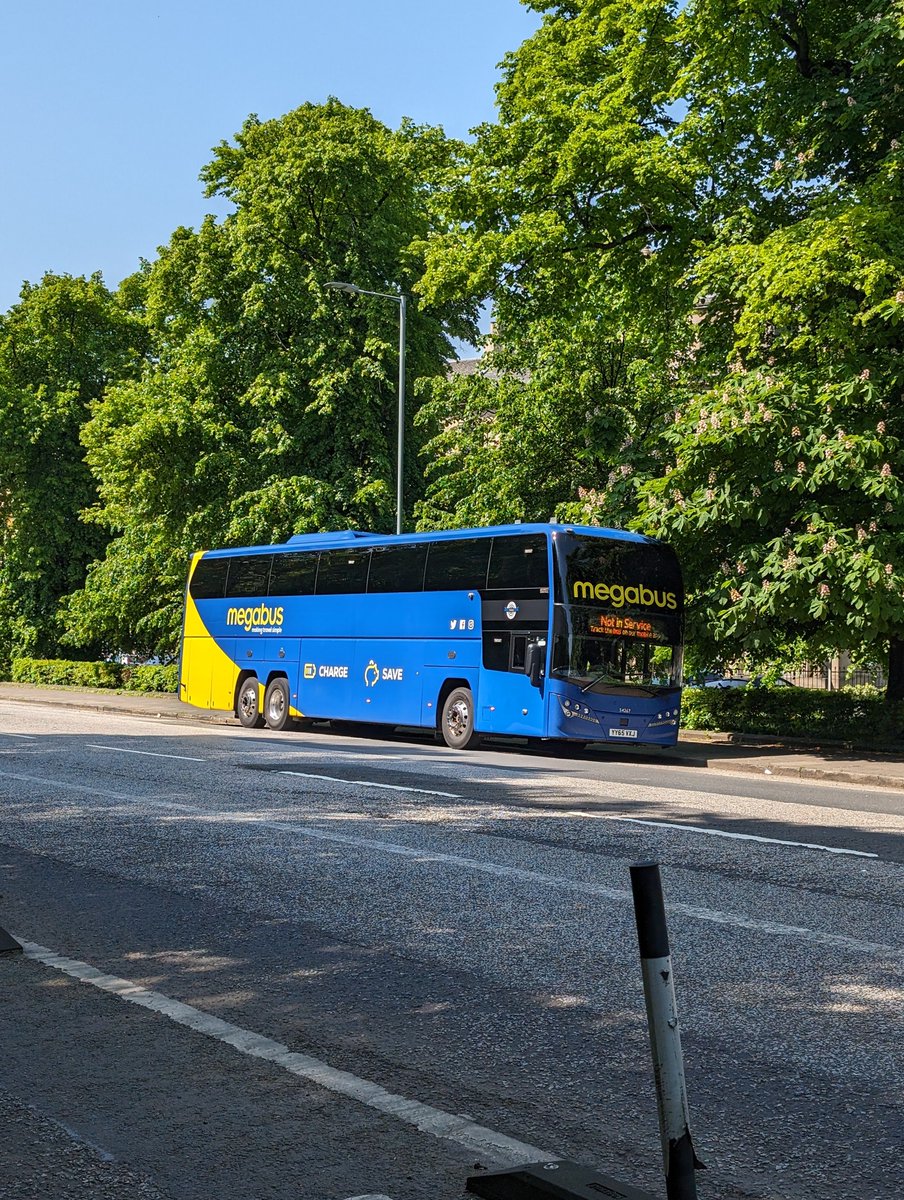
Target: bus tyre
x=247 y=707
x=276 y=704
x=457 y=720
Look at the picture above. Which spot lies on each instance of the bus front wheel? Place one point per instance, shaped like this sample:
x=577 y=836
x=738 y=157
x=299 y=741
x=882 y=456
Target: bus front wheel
x=276 y=704
x=247 y=707
x=457 y=720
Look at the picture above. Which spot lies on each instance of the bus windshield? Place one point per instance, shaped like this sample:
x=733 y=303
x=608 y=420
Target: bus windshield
x=618 y=616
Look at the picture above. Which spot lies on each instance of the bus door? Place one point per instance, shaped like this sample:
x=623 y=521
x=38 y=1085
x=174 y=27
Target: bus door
x=509 y=701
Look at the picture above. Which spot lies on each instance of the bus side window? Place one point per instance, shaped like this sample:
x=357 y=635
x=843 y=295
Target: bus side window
x=209 y=579
x=293 y=573
x=397 y=568
x=496 y=648
x=342 y=572
x=457 y=565
x=519 y=561
x=249 y=574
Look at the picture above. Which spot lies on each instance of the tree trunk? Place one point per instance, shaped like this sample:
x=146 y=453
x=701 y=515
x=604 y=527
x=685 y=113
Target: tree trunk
x=894 y=690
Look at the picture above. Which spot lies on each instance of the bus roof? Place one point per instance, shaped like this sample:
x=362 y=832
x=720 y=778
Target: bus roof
x=353 y=537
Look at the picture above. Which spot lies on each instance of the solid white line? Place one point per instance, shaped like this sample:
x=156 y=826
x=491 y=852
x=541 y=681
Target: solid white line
x=425 y=857
x=29 y=737
x=368 y=783
x=424 y=1117
x=145 y=753
x=725 y=833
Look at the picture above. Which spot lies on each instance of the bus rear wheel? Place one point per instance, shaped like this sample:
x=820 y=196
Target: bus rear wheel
x=276 y=704
x=457 y=720
x=247 y=707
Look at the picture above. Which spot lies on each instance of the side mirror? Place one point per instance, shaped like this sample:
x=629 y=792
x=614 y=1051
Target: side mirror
x=534 y=661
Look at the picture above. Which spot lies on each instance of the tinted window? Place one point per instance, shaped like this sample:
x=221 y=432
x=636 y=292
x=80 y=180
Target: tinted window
x=519 y=562
x=519 y=652
x=293 y=574
x=342 y=571
x=248 y=574
x=618 y=574
x=457 y=565
x=397 y=568
x=209 y=579
x=496 y=651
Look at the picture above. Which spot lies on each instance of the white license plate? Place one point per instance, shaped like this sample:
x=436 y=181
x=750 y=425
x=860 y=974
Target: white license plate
x=626 y=733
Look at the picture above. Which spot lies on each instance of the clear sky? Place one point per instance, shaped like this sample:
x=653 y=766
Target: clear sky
x=112 y=106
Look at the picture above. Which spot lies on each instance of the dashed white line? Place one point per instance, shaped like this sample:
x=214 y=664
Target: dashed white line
x=369 y=783
x=425 y=857
x=144 y=753
x=725 y=833
x=29 y=737
x=424 y=1117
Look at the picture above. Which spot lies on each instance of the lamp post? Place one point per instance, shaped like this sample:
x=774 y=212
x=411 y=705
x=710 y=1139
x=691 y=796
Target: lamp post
x=402 y=303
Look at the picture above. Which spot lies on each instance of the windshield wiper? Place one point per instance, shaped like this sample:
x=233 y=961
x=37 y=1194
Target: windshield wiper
x=623 y=683
x=602 y=678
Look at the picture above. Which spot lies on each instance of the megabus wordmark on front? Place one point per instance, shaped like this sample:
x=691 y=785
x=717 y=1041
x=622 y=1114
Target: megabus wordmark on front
x=618 y=596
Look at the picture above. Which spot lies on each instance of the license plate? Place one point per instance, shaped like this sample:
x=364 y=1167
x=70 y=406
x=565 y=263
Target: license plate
x=625 y=733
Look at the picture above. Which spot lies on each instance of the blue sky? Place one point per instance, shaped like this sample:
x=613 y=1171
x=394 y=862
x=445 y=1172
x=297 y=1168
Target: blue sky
x=112 y=106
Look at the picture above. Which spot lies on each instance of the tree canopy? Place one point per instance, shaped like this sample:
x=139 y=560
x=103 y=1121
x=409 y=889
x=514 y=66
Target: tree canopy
x=689 y=221
x=61 y=346
x=268 y=406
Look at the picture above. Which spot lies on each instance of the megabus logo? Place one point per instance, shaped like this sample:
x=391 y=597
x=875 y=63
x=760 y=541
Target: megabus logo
x=248 y=618
x=618 y=596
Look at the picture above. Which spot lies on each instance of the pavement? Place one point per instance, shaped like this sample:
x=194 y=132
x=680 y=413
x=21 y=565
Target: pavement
x=716 y=751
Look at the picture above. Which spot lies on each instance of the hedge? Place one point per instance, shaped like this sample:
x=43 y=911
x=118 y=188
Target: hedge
x=856 y=715
x=151 y=678
x=65 y=673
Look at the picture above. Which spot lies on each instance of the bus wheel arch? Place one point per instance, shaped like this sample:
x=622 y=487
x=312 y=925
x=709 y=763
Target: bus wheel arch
x=277 y=713
x=247 y=700
x=456 y=715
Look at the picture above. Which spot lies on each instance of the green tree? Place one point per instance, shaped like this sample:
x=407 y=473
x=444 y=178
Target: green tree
x=784 y=493
x=689 y=220
x=61 y=345
x=554 y=213
x=269 y=404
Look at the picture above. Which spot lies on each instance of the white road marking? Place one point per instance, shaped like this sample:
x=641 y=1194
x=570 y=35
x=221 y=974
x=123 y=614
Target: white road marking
x=69 y=787
x=500 y=870
x=746 y=837
x=145 y=753
x=424 y=1117
x=29 y=737
x=99 y=1150
x=368 y=783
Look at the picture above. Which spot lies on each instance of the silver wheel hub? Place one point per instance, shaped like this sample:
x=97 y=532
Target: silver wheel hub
x=457 y=718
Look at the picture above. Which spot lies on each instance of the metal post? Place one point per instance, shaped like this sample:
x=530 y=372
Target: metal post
x=679 y=1160
x=401 y=447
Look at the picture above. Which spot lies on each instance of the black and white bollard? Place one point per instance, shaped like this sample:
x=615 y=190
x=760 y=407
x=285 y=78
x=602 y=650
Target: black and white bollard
x=679 y=1160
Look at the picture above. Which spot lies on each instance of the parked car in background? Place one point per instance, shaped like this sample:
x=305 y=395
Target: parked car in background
x=743 y=681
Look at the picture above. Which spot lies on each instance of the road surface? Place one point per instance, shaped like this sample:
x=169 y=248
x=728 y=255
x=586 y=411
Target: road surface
x=279 y=965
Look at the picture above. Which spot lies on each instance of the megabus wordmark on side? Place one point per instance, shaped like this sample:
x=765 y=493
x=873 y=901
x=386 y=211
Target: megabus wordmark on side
x=618 y=596
x=249 y=617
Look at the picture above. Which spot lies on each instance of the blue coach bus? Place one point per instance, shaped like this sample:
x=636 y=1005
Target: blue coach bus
x=541 y=631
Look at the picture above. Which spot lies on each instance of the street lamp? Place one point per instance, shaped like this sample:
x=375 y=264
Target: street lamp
x=401 y=301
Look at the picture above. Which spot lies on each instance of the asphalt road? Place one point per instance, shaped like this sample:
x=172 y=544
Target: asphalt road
x=280 y=965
